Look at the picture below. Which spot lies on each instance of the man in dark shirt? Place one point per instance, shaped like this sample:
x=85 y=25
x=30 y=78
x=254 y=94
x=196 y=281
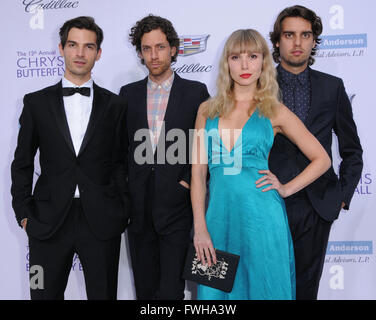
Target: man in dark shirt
x=296 y=90
x=321 y=102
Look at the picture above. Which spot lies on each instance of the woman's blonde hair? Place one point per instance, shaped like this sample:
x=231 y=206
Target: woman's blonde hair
x=266 y=95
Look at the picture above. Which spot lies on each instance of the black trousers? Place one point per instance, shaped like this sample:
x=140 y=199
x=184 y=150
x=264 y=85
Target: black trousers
x=157 y=264
x=158 y=259
x=310 y=234
x=99 y=259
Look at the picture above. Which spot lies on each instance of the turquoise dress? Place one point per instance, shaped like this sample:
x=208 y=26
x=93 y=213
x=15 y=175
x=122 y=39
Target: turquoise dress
x=242 y=219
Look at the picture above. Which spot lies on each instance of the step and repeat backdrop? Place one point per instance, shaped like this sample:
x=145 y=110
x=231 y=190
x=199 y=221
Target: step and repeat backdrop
x=30 y=60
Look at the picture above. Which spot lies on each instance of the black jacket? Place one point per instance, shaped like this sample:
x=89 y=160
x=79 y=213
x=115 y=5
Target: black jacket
x=330 y=111
x=170 y=201
x=99 y=170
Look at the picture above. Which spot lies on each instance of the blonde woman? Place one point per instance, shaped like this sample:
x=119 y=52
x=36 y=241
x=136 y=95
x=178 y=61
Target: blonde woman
x=246 y=213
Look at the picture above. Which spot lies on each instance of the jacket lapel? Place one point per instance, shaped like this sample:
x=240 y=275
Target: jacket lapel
x=315 y=97
x=142 y=97
x=100 y=101
x=55 y=98
x=173 y=103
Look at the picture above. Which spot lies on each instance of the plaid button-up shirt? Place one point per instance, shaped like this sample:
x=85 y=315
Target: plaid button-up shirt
x=157 y=100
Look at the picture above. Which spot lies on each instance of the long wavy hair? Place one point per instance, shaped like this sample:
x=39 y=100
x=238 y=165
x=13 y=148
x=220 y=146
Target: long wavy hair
x=266 y=95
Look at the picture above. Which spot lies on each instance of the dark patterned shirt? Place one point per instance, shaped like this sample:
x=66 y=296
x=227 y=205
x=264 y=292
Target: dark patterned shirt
x=296 y=91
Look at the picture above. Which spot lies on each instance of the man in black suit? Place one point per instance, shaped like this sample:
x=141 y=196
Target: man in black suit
x=80 y=198
x=161 y=214
x=320 y=101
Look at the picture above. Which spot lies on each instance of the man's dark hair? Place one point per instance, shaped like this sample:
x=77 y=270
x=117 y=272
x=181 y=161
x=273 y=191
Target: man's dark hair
x=150 y=23
x=87 y=23
x=301 y=12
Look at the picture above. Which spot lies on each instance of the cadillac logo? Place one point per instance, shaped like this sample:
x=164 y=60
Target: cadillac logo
x=192 y=44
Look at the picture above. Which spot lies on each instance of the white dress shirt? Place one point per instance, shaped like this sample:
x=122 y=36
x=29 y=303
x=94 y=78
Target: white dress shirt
x=77 y=110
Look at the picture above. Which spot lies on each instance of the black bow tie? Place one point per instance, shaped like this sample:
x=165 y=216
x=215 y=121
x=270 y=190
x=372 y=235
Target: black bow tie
x=69 y=91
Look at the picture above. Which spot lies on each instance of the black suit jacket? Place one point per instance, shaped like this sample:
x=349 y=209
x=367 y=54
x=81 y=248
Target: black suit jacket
x=330 y=111
x=99 y=169
x=170 y=201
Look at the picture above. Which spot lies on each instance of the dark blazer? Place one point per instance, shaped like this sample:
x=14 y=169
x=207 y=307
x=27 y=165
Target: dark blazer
x=330 y=111
x=171 y=207
x=99 y=170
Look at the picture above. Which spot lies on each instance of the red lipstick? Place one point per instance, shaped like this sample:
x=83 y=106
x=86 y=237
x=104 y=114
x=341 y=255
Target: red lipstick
x=245 y=75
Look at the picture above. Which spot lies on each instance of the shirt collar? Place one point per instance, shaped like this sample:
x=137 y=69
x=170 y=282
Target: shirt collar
x=288 y=77
x=67 y=83
x=166 y=85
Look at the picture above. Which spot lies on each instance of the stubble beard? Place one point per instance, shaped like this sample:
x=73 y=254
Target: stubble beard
x=296 y=64
x=159 y=71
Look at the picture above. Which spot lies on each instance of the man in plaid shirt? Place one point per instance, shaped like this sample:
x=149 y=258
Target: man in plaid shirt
x=161 y=213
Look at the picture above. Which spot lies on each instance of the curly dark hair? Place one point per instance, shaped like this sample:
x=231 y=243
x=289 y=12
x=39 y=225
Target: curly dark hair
x=150 y=23
x=296 y=11
x=83 y=22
